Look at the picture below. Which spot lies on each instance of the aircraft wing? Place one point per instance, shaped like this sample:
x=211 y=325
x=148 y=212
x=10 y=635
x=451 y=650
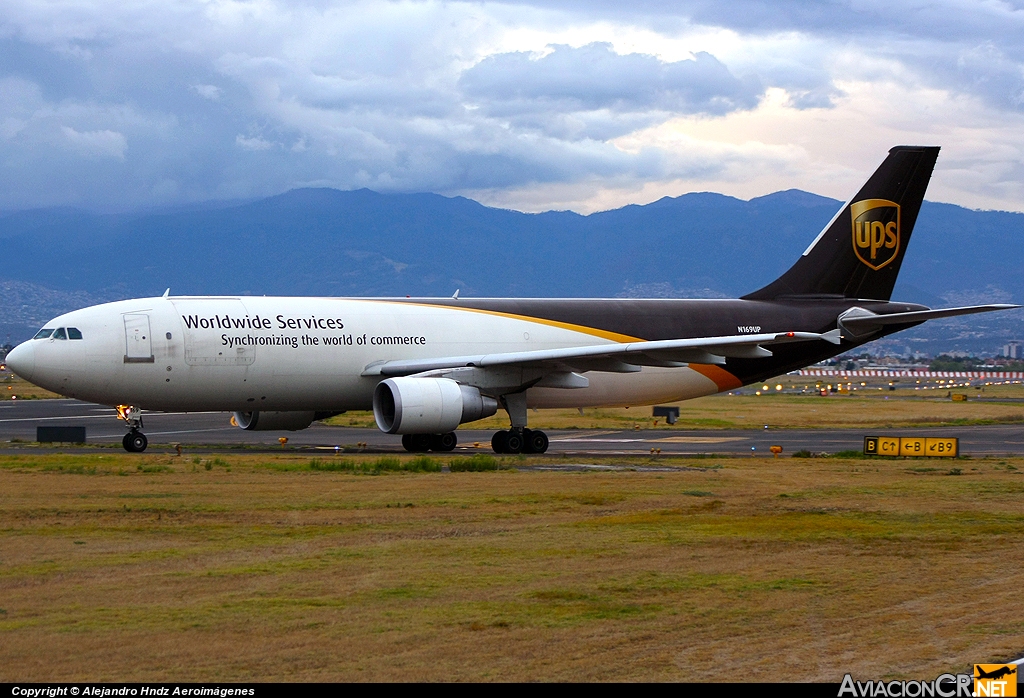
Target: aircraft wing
x=618 y=358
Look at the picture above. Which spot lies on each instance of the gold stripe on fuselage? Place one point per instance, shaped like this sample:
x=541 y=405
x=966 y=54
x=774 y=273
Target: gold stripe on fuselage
x=592 y=331
x=722 y=378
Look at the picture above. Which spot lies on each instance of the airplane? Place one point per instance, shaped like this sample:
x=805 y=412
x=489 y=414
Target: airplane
x=995 y=674
x=426 y=365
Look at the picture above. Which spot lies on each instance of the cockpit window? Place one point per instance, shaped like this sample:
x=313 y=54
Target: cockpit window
x=59 y=334
x=74 y=333
x=43 y=333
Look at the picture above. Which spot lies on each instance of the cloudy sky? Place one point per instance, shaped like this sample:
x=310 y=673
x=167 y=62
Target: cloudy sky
x=114 y=105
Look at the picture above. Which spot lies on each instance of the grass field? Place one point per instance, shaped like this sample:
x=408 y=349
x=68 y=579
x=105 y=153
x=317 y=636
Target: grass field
x=12 y=386
x=245 y=567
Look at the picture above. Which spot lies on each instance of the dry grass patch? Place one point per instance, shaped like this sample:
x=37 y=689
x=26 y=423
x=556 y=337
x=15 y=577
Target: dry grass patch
x=262 y=567
x=11 y=386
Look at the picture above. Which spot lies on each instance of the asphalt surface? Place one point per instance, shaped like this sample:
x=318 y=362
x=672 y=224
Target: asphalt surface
x=19 y=419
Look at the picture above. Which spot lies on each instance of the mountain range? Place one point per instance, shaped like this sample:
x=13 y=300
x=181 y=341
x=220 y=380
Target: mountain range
x=364 y=243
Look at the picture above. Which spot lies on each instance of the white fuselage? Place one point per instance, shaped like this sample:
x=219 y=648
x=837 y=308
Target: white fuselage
x=282 y=354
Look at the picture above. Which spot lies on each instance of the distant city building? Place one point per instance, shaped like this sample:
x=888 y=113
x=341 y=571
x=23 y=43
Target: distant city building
x=1012 y=350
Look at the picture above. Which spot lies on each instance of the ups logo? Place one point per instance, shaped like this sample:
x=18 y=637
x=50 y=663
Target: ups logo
x=876 y=231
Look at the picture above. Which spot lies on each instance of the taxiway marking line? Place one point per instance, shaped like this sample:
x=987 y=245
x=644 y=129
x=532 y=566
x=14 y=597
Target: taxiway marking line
x=600 y=441
x=102 y=416
x=165 y=433
x=698 y=439
x=46 y=419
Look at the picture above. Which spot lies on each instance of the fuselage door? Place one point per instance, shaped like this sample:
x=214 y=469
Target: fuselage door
x=138 y=342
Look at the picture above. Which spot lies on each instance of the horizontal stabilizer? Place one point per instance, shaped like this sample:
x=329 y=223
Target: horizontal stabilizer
x=864 y=320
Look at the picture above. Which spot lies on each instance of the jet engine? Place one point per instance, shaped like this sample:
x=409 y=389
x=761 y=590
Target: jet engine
x=274 y=421
x=427 y=405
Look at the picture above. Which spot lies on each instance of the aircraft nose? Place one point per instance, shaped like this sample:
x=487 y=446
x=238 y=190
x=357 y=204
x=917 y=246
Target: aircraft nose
x=22 y=360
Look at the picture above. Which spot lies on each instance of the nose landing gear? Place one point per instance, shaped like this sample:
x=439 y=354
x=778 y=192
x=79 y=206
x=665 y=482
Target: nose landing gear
x=134 y=441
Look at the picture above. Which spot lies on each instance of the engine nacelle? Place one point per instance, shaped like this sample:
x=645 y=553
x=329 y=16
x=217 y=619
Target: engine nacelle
x=274 y=421
x=427 y=405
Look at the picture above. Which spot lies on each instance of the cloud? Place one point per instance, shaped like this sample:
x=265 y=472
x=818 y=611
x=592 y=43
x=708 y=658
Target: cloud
x=254 y=143
x=987 y=71
x=595 y=77
x=96 y=143
x=527 y=104
x=211 y=92
x=592 y=92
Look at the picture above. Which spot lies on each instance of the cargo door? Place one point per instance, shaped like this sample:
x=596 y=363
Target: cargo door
x=216 y=333
x=138 y=342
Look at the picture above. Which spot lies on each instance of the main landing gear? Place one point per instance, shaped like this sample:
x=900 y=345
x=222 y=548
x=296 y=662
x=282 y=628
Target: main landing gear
x=134 y=441
x=520 y=441
x=421 y=443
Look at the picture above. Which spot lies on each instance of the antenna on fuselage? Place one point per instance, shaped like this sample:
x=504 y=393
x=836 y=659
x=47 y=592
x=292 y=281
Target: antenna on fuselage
x=455 y=296
x=166 y=293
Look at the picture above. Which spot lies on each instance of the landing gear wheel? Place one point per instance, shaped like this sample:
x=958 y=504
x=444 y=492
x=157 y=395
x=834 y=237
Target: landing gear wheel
x=499 y=442
x=536 y=441
x=416 y=443
x=135 y=442
x=514 y=442
x=443 y=442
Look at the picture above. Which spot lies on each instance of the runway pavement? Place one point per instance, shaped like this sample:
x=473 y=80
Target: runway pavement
x=19 y=419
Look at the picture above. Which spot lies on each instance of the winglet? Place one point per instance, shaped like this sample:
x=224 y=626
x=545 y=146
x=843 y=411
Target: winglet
x=455 y=296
